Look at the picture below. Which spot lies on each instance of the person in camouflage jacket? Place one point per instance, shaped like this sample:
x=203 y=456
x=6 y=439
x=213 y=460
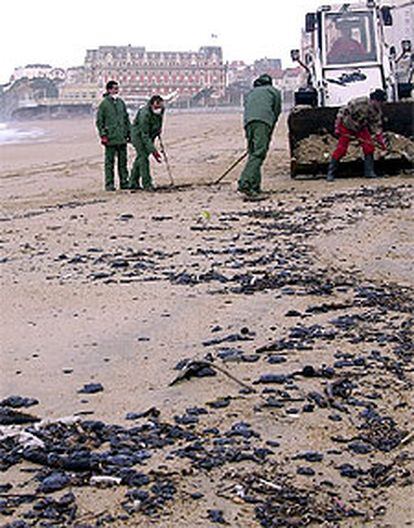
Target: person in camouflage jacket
x=114 y=128
x=361 y=118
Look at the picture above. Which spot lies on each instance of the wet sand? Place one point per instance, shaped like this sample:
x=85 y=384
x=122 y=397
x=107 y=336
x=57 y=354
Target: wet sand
x=118 y=288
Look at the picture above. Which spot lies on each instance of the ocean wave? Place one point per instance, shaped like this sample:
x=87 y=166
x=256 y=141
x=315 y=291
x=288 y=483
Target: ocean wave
x=11 y=134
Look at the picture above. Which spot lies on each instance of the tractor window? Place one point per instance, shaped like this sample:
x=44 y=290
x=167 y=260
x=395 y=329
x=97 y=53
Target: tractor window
x=349 y=38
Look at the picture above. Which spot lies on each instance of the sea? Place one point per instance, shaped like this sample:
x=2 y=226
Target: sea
x=12 y=133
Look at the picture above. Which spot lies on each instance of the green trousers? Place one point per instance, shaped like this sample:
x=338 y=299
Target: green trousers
x=119 y=152
x=258 y=136
x=140 y=173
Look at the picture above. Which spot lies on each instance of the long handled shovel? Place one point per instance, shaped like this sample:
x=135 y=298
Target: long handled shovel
x=163 y=152
x=232 y=166
x=390 y=149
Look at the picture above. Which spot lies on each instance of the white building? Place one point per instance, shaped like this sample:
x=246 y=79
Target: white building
x=38 y=71
x=75 y=75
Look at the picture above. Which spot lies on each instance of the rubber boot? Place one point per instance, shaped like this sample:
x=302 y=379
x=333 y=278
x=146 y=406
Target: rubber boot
x=332 y=170
x=124 y=185
x=369 y=166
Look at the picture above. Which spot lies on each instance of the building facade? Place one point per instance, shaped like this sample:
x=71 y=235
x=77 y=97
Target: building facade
x=79 y=94
x=141 y=73
x=272 y=67
x=38 y=71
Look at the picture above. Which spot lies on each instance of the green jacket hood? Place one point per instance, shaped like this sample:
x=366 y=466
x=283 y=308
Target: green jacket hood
x=262 y=103
x=263 y=80
x=145 y=128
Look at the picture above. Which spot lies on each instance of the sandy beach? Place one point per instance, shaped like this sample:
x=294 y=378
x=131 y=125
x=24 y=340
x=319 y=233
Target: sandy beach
x=118 y=288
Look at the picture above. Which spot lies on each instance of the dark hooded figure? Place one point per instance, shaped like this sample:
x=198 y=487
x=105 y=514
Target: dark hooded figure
x=262 y=108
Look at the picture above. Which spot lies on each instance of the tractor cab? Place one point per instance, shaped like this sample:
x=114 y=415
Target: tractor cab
x=349 y=38
x=345 y=58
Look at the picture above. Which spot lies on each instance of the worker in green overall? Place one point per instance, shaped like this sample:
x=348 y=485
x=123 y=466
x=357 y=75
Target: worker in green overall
x=262 y=108
x=114 y=127
x=146 y=128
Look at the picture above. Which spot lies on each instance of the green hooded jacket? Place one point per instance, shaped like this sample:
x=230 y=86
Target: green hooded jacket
x=262 y=103
x=145 y=128
x=112 y=120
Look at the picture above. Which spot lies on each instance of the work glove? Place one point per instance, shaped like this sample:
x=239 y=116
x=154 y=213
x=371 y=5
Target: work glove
x=157 y=156
x=104 y=140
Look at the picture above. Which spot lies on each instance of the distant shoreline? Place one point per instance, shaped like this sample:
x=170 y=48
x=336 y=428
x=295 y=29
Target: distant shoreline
x=13 y=132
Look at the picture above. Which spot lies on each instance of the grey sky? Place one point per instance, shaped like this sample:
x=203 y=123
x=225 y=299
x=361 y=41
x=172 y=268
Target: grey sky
x=58 y=32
